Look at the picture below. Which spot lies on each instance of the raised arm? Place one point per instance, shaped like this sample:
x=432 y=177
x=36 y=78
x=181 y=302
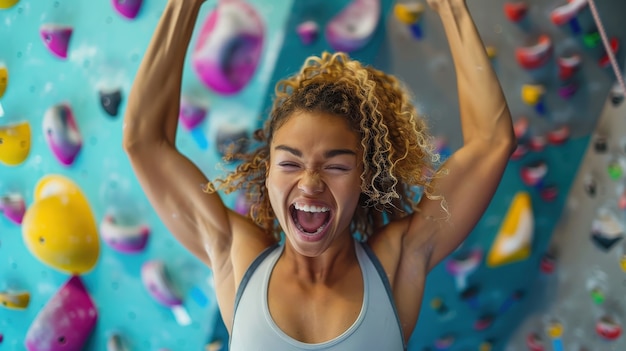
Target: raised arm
x=172 y=183
x=475 y=170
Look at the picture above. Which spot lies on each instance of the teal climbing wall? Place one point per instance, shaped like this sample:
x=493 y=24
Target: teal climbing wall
x=105 y=50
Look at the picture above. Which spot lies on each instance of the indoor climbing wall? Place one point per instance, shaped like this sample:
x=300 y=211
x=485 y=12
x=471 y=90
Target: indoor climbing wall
x=554 y=73
x=577 y=303
x=83 y=258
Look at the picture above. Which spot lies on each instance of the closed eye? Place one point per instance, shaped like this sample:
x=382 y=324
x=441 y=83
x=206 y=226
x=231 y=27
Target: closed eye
x=338 y=168
x=289 y=165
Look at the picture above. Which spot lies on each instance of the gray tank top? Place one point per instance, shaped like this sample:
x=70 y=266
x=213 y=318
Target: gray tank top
x=376 y=328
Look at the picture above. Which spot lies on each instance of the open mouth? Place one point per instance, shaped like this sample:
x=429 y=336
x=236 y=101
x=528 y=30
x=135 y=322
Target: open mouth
x=310 y=219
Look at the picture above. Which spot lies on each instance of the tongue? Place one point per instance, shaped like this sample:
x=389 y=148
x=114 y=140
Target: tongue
x=311 y=221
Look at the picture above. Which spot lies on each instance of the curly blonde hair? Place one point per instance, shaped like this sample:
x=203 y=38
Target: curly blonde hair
x=398 y=154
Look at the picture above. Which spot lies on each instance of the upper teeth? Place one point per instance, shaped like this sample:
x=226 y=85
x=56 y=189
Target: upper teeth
x=310 y=208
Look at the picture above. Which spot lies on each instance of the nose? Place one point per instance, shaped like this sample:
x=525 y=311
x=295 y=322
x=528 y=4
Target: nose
x=311 y=183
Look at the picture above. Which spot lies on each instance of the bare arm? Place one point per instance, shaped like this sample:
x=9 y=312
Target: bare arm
x=172 y=183
x=475 y=170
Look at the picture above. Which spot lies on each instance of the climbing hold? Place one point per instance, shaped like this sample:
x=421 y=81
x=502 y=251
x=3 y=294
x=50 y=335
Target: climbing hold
x=537 y=143
x=62 y=134
x=532 y=95
x=486 y=345
x=483 y=322
x=568 y=90
x=156 y=280
x=519 y=152
x=5 y=4
x=492 y=52
x=470 y=295
x=514 y=238
x=231 y=140
x=410 y=15
x=616 y=168
x=15 y=141
x=605 y=61
x=608 y=328
x=548 y=262
x=616 y=95
x=622 y=263
x=568 y=65
x=17 y=300
x=591 y=39
x=567 y=14
x=535 y=56
x=510 y=301
x=353 y=27
x=65 y=322
x=229 y=47
x=114 y=343
x=597 y=295
x=461 y=265
x=606 y=230
x=534 y=342
x=520 y=127
x=13 y=207
x=444 y=342
x=127 y=8
x=590 y=185
x=559 y=135
x=56 y=38
x=242 y=204
x=533 y=173
x=191 y=113
x=601 y=144
x=439 y=306
x=515 y=11
x=59 y=228
x=124 y=238
x=110 y=101
x=4 y=78
x=308 y=31
x=549 y=192
x=554 y=330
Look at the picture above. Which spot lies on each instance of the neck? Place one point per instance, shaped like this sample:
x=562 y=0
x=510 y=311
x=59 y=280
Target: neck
x=326 y=268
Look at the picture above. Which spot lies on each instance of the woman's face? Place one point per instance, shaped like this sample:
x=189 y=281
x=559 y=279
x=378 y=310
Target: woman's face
x=314 y=180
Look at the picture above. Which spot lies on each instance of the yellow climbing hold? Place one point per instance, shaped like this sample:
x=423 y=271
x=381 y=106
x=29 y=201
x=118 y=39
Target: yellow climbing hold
x=514 y=239
x=554 y=330
x=622 y=263
x=408 y=13
x=14 y=300
x=59 y=228
x=5 y=4
x=14 y=143
x=4 y=78
x=532 y=93
x=491 y=51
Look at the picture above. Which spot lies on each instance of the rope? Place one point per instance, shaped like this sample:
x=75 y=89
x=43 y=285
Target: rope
x=607 y=45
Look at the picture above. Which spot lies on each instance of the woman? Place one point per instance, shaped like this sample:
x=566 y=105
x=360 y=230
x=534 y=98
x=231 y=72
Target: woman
x=339 y=155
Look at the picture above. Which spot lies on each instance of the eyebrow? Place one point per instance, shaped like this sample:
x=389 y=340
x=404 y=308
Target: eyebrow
x=328 y=154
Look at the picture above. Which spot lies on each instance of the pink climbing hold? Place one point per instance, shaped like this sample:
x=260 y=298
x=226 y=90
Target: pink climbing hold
x=229 y=47
x=13 y=206
x=308 y=32
x=191 y=114
x=127 y=8
x=354 y=26
x=62 y=134
x=535 y=56
x=65 y=322
x=56 y=38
